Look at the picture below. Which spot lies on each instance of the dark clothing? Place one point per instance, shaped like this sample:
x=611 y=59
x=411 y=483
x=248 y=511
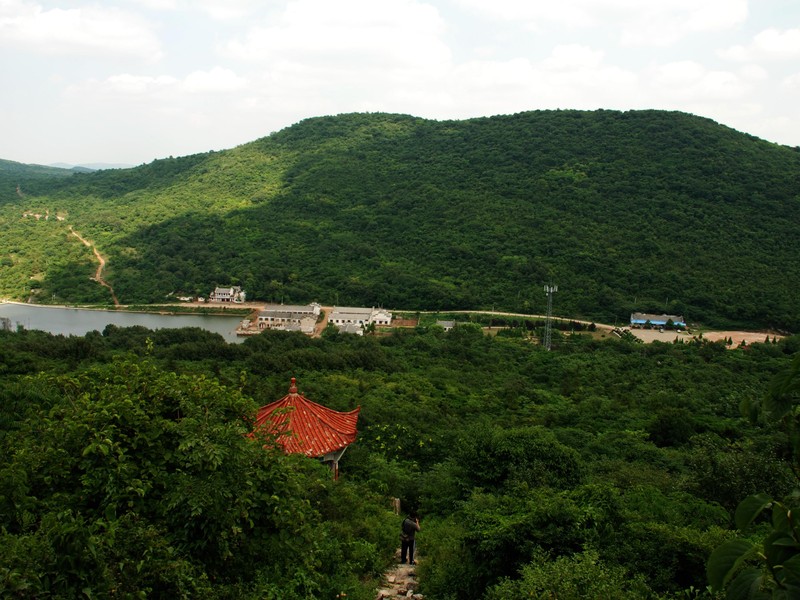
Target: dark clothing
x=410 y=527
x=408 y=530
x=407 y=548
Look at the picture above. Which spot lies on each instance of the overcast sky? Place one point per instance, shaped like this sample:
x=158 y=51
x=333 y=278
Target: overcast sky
x=128 y=81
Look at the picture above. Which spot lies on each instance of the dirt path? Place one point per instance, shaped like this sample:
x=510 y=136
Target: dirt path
x=399 y=582
x=323 y=323
x=98 y=274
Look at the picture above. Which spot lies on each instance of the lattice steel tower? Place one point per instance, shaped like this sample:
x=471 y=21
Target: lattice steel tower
x=548 y=326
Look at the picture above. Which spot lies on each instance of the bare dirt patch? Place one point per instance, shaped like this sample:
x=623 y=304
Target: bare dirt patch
x=396 y=322
x=654 y=335
x=748 y=337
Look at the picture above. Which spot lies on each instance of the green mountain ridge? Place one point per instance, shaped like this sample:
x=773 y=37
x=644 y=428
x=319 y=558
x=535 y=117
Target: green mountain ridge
x=624 y=211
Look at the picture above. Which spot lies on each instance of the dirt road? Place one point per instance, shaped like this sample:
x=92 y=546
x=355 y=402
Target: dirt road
x=98 y=274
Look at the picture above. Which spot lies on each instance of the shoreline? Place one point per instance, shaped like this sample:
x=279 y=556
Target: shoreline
x=202 y=309
x=124 y=308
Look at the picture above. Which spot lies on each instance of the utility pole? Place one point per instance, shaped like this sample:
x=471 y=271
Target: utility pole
x=548 y=327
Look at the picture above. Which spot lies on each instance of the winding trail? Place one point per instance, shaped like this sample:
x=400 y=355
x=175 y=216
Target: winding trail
x=98 y=274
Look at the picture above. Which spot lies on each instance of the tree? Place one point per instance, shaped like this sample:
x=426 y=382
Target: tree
x=769 y=568
x=149 y=484
x=582 y=575
x=671 y=426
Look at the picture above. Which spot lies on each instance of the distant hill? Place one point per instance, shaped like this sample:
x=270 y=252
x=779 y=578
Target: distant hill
x=17 y=179
x=625 y=211
x=88 y=167
x=11 y=168
x=74 y=168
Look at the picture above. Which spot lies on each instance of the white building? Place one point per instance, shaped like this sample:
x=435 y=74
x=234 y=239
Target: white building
x=380 y=317
x=227 y=294
x=311 y=309
x=346 y=315
x=351 y=328
x=289 y=317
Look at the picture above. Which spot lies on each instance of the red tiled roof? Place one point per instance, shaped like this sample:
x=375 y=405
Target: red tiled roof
x=305 y=427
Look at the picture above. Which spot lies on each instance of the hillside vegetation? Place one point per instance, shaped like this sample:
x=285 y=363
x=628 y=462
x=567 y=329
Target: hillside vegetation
x=601 y=469
x=641 y=210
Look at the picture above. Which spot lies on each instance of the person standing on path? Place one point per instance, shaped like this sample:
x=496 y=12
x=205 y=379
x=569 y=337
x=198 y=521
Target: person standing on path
x=408 y=532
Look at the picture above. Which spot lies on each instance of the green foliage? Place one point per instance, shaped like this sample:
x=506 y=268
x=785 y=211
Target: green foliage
x=672 y=427
x=769 y=567
x=147 y=484
x=672 y=558
x=498 y=535
x=399 y=211
x=127 y=447
x=448 y=571
x=581 y=576
x=494 y=458
x=725 y=472
x=35 y=178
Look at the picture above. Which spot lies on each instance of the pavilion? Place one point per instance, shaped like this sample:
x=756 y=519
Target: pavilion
x=305 y=427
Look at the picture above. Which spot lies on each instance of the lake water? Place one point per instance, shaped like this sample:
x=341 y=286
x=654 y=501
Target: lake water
x=80 y=321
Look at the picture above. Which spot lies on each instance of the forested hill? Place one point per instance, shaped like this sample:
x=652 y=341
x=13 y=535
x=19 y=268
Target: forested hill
x=640 y=210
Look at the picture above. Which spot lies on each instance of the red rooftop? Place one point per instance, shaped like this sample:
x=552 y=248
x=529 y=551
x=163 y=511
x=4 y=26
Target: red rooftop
x=305 y=427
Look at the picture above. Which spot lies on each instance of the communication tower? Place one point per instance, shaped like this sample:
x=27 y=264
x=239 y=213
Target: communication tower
x=548 y=326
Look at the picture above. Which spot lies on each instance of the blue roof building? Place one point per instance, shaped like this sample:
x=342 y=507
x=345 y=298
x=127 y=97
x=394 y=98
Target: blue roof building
x=641 y=319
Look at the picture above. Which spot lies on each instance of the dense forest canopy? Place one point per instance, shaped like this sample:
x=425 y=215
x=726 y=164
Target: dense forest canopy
x=600 y=469
x=625 y=211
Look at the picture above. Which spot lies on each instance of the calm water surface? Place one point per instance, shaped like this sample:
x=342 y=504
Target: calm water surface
x=80 y=321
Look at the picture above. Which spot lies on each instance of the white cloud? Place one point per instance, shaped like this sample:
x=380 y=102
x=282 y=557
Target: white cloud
x=221 y=10
x=792 y=82
x=569 y=13
x=319 y=57
x=571 y=77
x=279 y=61
x=215 y=80
x=633 y=22
x=767 y=125
x=167 y=89
x=156 y=4
x=77 y=31
x=128 y=84
x=227 y=9
x=663 y=23
x=754 y=73
x=576 y=76
x=677 y=74
x=770 y=44
x=573 y=56
x=350 y=34
x=689 y=81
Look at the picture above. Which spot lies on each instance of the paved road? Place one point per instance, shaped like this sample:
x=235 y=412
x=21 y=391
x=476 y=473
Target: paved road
x=511 y=314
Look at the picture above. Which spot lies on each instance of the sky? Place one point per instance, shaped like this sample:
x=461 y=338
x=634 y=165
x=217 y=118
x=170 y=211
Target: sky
x=130 y=81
